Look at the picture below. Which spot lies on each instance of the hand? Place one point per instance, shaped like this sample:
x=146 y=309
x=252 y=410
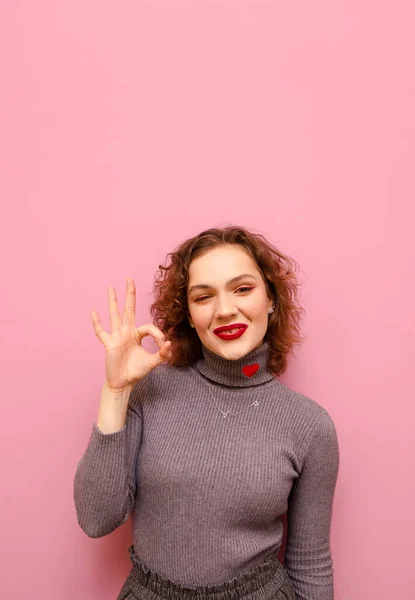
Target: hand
x=126 y=361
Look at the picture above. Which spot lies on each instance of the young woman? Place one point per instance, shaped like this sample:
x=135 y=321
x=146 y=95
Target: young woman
x=202 y=443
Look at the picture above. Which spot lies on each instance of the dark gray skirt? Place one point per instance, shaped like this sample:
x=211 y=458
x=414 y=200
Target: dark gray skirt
x=267 y=581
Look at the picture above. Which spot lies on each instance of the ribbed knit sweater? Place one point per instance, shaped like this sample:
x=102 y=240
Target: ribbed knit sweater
x=207 y=492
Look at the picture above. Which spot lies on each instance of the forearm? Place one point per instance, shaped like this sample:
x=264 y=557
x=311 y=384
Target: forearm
x=113 y=409
x=105 y=480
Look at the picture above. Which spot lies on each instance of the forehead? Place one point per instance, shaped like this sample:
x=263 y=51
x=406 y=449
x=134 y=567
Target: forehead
x=222 y=262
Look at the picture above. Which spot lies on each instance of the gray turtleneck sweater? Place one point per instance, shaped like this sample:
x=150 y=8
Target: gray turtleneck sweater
x=206 y=492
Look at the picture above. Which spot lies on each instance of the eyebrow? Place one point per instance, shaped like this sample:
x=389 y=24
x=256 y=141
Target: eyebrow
x=205 y=286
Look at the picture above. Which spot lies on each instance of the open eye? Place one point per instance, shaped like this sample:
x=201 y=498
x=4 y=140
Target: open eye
x=244 y=288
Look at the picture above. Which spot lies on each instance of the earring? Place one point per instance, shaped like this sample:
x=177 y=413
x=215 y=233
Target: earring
x=191 y=325
x=271 y=310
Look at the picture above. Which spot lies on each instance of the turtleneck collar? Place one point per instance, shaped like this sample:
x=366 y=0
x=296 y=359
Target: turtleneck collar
x=247 y=371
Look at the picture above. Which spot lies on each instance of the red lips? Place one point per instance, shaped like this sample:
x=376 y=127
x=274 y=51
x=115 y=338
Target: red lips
x=223 y=332
x=227 y=327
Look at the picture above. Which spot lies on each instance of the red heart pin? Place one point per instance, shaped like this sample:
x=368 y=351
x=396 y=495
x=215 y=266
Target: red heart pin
x=250 y=370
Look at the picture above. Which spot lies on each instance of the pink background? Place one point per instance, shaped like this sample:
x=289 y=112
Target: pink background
x=128 y=127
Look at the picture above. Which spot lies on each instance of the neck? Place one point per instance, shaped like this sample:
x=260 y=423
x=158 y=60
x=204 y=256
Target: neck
x=250 y=370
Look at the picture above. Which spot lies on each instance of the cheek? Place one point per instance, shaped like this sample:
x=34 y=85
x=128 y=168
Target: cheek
x=201 y=316
x=257 y=307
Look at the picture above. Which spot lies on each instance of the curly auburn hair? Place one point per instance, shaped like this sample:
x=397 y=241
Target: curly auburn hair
x=170 y=309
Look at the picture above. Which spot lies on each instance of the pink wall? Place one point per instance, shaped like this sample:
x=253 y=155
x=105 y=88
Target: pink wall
x=130 y=126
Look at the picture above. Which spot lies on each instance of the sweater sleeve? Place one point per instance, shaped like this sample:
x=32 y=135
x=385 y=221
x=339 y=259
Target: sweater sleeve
x=308 y=558
x=105 y=479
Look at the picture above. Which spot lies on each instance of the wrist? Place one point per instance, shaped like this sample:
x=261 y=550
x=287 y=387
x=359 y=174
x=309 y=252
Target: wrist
x=117 y=392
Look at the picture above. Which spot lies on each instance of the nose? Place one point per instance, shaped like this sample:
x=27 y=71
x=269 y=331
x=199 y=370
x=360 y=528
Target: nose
x=225 y=308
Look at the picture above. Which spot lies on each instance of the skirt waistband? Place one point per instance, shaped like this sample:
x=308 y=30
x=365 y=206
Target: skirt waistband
x=269 y=573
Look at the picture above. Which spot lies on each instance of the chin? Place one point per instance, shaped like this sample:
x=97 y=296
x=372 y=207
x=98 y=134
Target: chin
x=234 y=350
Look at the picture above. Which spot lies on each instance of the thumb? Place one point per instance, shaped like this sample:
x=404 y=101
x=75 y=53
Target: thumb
x=165 y=351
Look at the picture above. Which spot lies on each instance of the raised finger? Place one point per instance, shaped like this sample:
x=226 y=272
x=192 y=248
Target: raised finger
x=115 y=318
x=98 y=328
x=129 y=308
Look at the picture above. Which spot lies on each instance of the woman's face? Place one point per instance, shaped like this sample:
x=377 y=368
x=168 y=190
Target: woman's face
x=226 y=288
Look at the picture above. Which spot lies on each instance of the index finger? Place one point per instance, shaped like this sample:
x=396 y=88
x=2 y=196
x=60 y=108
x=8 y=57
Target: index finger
x=149 y=329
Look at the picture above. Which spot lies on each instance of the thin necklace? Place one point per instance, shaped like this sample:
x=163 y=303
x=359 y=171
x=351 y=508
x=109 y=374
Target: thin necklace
x=228 y=412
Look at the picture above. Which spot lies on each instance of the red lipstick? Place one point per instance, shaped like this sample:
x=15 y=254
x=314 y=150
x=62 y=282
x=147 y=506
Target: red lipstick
x=221 y=331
